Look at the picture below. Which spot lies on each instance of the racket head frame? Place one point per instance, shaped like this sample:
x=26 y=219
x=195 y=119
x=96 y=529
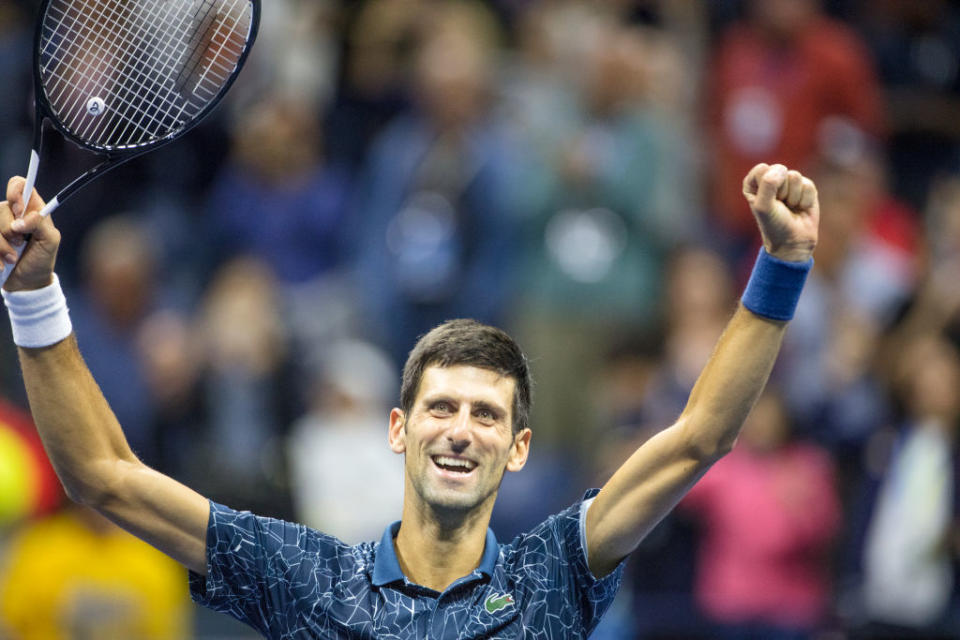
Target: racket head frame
x=43 y=109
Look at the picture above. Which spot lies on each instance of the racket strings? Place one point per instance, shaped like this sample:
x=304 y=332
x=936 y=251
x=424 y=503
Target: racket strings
x=160 y=52
x=92 y=60
x=105 y=58
x=154 y=64
x=140 y=39
x=96 y=73
x=159 y=99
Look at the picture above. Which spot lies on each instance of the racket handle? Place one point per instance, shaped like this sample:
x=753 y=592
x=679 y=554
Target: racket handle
x=27 y=192
x=31 y=177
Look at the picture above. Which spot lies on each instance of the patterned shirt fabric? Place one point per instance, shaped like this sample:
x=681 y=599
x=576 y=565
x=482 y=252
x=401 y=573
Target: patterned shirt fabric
x=291 y=582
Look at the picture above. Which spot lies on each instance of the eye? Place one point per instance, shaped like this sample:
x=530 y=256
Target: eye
x=484 y=415
x=441 y=407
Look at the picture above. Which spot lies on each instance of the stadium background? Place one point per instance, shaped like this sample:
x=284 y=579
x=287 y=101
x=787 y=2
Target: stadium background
x=569 y=170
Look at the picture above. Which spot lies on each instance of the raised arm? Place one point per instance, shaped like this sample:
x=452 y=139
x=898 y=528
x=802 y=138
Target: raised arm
x=80 y=433
x=651 y=482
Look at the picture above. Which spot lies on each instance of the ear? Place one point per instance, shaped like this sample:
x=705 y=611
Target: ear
x=519 y=451
x=397 y=434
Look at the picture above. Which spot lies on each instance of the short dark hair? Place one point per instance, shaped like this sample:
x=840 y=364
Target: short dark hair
x=471 y=343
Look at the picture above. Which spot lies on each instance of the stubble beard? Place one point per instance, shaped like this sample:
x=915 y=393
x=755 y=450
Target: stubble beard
x=449 y=505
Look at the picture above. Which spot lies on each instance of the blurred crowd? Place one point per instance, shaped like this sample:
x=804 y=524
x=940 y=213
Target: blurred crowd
x=569 y=170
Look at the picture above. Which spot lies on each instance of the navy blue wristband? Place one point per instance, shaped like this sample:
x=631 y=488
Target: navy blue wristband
x=775 y=286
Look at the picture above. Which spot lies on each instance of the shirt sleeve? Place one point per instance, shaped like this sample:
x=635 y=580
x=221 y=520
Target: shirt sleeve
x=555 y=556
x=599 y=592
x=261 y=570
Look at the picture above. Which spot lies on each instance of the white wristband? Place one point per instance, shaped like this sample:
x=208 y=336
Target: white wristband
x=39 y=318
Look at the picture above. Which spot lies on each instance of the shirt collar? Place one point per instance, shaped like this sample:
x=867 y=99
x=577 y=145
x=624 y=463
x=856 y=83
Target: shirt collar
x=386 y=567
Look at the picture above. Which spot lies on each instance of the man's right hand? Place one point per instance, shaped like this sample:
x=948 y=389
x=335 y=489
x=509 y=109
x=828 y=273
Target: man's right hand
x=35 y=268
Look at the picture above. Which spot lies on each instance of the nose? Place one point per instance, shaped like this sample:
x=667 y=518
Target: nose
x=459 y=434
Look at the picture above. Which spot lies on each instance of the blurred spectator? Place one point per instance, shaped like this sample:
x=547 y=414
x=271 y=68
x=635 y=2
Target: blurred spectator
x=622 y=394
x=375 y=70
x=347 y=496
x=866 y=268
x=609 y=189
x=295 y=57
x=698 y=300
x=28 y=485
x=911 y=541
x=936 y=305
x=916 y=46
x=277 y=198
x=250 y=393
x=75 y=575
x=612 y=174
x=15 y=52
x=933 y=311
x=769 y=512
x=778 y=75
x=437 y=234
x=943 y=222
x=169 y=349
x=119 y=291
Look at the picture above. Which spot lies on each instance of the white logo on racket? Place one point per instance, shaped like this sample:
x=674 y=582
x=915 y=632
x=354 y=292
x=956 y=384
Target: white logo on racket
x=95 y=106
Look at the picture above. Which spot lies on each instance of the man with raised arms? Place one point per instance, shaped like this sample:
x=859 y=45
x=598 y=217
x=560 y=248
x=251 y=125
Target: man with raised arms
x=462 y=422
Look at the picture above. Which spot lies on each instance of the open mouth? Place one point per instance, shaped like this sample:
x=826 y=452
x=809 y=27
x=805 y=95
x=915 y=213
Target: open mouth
x=454 y=465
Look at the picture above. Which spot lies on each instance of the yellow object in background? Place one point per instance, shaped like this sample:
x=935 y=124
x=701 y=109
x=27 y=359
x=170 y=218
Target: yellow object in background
x=75 y=575
x=18 y=484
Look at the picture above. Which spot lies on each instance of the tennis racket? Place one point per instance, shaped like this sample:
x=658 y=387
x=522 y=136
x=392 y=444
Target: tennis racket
x=123 y=77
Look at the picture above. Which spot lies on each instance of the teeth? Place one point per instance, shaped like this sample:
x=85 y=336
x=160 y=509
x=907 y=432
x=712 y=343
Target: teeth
x=455 y=462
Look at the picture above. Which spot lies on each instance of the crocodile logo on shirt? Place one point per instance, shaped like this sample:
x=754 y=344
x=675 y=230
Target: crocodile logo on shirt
x=497 y=601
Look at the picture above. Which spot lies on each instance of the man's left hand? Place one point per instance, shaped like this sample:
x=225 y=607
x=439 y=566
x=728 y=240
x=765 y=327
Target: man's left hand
x=787 y=210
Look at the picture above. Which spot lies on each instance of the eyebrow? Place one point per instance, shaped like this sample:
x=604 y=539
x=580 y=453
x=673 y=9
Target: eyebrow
x=498 y=411
x=432 y=400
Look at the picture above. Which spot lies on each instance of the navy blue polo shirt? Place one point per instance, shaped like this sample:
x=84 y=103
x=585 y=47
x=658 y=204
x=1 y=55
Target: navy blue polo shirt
x=289 y=581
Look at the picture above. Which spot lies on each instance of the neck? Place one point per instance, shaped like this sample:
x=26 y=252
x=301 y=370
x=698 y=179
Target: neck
x=435 y=549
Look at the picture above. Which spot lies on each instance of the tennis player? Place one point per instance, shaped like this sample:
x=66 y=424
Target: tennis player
x=439 y=572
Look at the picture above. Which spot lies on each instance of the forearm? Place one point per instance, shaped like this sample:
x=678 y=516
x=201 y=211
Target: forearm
x=82 y=437
x=730 y=384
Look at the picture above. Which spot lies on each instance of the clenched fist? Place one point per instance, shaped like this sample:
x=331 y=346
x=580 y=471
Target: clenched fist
x=787 y=210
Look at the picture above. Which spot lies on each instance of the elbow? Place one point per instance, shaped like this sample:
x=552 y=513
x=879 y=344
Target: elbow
x=77 y=488
x=85 y=493
x=707 y=453
x=724 y=447
x=74 y=493
x=96 y=489
x=705 y=445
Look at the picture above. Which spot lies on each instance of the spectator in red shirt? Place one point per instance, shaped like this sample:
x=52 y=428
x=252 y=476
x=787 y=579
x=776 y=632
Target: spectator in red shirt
x=785 y=63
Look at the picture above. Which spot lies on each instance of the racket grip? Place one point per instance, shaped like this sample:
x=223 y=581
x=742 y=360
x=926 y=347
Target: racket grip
x=27 y=192
x=31 y=177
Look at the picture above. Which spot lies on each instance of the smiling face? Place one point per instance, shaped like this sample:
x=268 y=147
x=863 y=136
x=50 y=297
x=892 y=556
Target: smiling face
x=458 y=439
